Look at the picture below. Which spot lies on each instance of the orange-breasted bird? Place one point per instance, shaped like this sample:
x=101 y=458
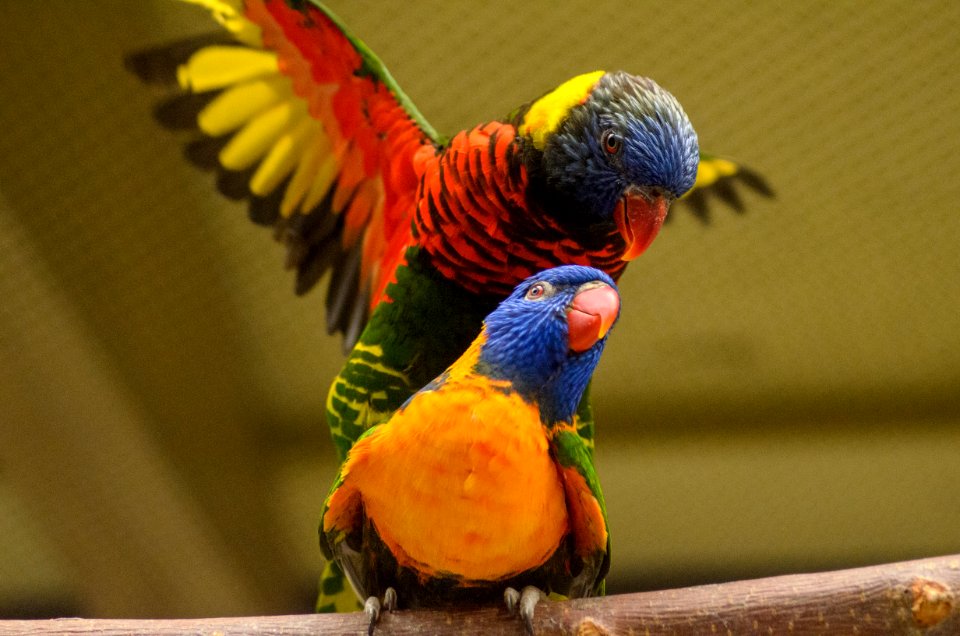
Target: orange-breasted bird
x=479 y=485
x=423 y=234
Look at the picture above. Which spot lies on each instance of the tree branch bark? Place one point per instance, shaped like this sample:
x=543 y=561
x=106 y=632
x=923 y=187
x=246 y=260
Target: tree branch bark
x=912 y=597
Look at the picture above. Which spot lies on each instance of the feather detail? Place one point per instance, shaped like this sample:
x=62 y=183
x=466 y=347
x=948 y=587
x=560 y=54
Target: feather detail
x=343 y=281
x=718 y=178
x=260 y=134
x=428 y=502
x=325 y=178
x=366 y=119
x=229 y=13
x=282 y=157
x=306 y=121
x=238 y=104
x=216 y=67
x=316 y=148
x=710 y=170
x=351 y=174
x=474 y=219
x=500 y=534
x=545 y=114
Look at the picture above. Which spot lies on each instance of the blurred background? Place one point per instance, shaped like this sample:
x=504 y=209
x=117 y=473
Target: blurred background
x=781 y=395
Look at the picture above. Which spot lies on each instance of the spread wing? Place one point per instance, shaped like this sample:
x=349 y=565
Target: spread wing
x=304 y=122
x=719 y=178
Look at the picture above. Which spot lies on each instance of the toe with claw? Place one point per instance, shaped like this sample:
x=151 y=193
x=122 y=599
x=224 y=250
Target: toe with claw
x=511 y=599
x=525 y=603
x=373 y=605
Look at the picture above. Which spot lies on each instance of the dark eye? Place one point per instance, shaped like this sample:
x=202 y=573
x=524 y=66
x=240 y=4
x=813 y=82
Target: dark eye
x=536 y=291
x=612 y=142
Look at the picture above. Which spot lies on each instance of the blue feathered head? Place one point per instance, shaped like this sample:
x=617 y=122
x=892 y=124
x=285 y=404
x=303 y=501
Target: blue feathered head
x=547 y=336
x=612 y=149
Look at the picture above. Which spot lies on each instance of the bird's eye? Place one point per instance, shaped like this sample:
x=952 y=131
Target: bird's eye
x=612 y=142
x=536 y=291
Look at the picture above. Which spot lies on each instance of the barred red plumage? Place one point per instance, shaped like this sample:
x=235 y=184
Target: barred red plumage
x=357 y=109
x=474 y=221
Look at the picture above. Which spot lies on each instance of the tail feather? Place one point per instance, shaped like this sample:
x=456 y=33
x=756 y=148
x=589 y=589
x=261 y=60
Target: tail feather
x=335 y=595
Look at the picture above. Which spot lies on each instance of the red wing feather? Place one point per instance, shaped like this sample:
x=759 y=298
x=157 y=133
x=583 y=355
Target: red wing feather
x=376 y=186
x=319 y=138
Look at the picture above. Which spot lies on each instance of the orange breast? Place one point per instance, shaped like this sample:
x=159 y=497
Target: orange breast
x=462 y=483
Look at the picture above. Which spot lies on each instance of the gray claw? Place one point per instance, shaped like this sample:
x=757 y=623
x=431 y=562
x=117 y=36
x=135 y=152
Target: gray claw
x=373 y=605
x=529 y=598
x=372 y=609
x=511 y=598
x=390 y=599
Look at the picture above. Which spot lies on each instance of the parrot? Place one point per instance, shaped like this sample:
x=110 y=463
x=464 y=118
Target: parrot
x=479 y=483
x=422 y=234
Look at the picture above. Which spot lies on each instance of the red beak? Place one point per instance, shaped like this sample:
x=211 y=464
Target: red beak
x=592 y=313
x=639 y=218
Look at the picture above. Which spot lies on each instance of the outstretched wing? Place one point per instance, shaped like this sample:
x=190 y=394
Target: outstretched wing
x=304 y=122
x=719 y=178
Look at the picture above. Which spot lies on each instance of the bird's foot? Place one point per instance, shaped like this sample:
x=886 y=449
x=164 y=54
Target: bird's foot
x=373 y=605
x=524 y=602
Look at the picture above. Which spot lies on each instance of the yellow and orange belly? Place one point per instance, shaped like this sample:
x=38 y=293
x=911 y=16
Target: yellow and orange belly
x=461 y=486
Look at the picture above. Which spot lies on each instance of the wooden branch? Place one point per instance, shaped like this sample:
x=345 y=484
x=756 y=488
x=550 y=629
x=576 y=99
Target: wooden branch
x=912 y=597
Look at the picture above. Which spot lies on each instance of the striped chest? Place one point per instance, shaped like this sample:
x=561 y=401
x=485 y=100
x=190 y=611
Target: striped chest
x=476 y=222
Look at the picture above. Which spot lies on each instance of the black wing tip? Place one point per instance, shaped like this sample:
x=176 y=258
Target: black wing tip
x=311 y=239
x=312 y=242
x=756 y=182
x=356 y=321
x=203 y=152
x=696 y=203
x=347 y=298
x=344 y=283
x=180 y=111
x=311 y=264
x=158 y=64
x=234 y=185
x=725 y=189
x=151 y=66
x=728 y=194
x=265 y=211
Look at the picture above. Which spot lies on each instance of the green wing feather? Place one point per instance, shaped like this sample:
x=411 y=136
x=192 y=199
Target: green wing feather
x=571 y=451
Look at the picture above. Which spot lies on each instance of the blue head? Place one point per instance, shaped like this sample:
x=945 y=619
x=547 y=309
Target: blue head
x=547 y=336
x=620 y=157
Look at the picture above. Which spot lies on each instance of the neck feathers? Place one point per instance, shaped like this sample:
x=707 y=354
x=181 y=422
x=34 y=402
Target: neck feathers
x=482 y=226
x=541 y=371
x=544 y=116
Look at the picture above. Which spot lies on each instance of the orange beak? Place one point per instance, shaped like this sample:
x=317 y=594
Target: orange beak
x=592 y=313
x=639 y=217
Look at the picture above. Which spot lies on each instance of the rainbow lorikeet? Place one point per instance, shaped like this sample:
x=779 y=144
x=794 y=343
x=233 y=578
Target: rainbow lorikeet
x=479 y=483
x=423 y=234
